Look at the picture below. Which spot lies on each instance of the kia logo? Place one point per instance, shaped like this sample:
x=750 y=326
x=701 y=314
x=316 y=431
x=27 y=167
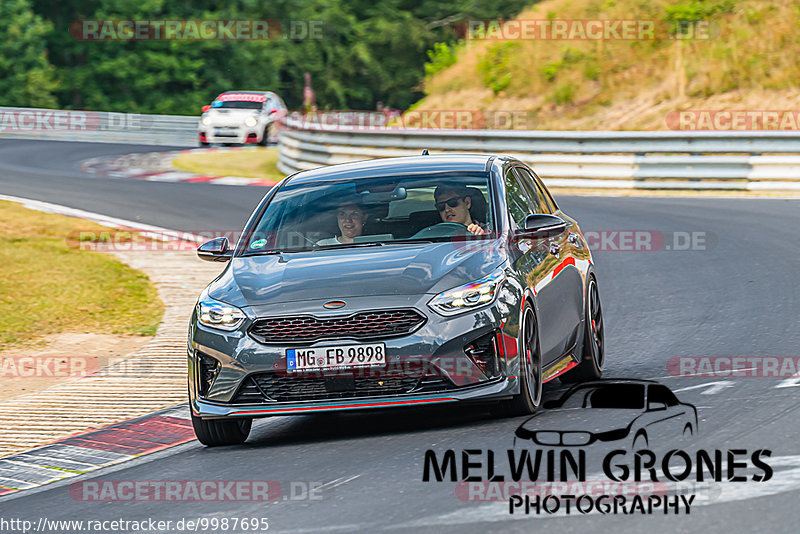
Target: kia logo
x=334 y=304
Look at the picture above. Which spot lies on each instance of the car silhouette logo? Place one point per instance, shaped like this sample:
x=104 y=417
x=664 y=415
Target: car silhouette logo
x=621 y=409
x=334 y=304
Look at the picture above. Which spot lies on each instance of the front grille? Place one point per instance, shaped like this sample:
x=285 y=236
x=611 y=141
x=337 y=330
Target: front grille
x=362 y=326
x=270 y=387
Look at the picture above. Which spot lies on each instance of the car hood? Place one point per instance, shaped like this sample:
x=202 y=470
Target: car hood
x=581 y=419
x=398 y=269
x=230 y=116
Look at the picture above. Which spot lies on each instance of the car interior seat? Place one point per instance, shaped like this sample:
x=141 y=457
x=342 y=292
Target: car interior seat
x=480 y=208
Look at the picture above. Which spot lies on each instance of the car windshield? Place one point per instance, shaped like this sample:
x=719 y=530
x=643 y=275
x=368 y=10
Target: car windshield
x=374 y=211
x=620 y=396
x=236 y=104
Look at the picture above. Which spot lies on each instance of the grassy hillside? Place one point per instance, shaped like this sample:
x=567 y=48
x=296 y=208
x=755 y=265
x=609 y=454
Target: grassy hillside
x=748 y=62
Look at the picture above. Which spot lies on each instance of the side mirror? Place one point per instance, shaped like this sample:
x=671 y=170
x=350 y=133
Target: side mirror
x=215 y=250
x=656 y=406
x=542 y=225
x=206 y=107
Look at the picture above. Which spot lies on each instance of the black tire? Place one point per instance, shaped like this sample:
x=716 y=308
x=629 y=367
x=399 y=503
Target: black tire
x=265 y=138
x=590 y=366
x=530 y=373
x=217 y=432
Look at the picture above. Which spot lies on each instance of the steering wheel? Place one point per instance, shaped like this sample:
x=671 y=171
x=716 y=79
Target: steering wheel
x=442 y=229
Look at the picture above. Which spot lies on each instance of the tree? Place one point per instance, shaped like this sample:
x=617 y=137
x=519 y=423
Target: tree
x=26 y=76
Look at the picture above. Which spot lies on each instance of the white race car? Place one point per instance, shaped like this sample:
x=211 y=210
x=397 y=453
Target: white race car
x=240 y=117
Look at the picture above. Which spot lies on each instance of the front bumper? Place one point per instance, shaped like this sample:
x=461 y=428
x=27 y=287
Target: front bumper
x=439 y=344
x=498 y=389
x=229 y=134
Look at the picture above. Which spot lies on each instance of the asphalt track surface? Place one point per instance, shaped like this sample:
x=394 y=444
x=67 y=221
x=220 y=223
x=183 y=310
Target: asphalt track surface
x=737 y=296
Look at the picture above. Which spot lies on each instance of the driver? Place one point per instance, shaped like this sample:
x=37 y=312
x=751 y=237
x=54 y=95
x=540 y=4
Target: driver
x=453 y=203
x=351 y=218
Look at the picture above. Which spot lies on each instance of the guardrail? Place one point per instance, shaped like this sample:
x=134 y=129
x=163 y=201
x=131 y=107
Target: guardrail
x=98 y=126
x=642 y=160
x=743 y=160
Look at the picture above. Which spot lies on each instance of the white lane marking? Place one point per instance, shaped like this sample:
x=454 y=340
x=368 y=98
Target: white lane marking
x=713 y=387
x=232 y=180
x=782 y=481
x=336 y=482
x=99 y=218
x=788 y=383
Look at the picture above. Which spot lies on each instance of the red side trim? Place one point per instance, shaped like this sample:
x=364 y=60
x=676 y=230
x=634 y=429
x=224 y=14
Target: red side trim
x=564 y=263
x=561 y=372
x=346 y=406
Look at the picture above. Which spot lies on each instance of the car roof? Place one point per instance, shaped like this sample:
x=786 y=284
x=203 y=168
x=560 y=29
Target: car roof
x=248 y=92
x=404 y=165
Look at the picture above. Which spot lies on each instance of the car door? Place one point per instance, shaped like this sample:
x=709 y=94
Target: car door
x=565 y=291
x=667 y=416
x=533 y=264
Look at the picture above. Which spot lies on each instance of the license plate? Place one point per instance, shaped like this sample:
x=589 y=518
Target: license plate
x=336 y=357
x=224 y=130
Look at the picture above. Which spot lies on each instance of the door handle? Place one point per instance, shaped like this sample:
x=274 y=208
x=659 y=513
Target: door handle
x=555 y=249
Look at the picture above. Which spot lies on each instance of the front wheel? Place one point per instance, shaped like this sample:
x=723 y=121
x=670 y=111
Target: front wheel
x=530 y=371
x=590 y=366
x=217 y=432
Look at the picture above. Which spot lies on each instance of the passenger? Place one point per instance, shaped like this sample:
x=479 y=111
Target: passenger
x=351 y=218
x=453 y=203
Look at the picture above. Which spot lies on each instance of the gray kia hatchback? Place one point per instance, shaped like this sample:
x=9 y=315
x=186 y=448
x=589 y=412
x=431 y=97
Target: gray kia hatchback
x=393 y=283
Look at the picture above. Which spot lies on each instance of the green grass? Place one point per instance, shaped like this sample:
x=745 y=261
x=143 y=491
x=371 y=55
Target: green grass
x=49 y=285
x=260 y=163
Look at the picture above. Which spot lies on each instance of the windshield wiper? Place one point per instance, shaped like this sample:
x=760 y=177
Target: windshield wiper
x=351 y=245
x=414 y=240
x=281 y=251
x=314 y=248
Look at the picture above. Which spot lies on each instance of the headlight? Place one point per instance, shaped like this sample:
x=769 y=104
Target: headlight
x=469 y=296
x=250 y=121
x=205 y=121
x=219 y=315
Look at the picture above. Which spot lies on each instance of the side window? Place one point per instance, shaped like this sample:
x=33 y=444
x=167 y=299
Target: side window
x=663 y=394
x=517 y=201
x=539 y=204
x=545 y=194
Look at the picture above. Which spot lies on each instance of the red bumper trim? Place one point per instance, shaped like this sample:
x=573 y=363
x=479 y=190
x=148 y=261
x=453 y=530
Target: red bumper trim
x=346 y=406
